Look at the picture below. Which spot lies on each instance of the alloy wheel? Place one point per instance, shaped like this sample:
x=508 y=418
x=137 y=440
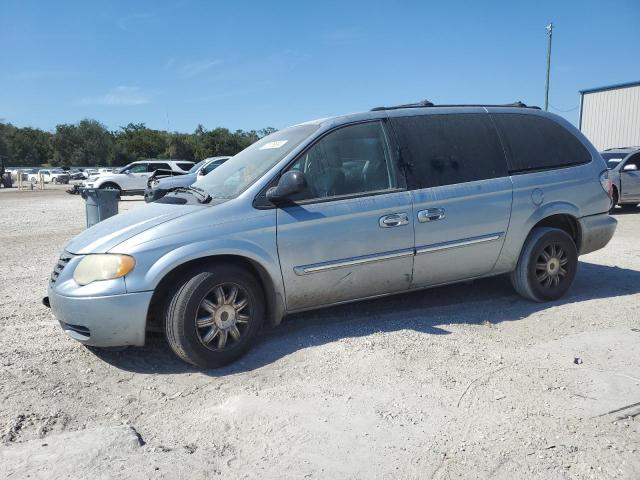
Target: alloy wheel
x=550 y=266
x=223 y=316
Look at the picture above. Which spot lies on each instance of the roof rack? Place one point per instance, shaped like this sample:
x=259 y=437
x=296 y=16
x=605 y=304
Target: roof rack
x=421 y=104
x=427 y=103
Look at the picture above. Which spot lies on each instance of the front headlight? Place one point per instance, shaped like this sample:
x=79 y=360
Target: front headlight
x=107 y=266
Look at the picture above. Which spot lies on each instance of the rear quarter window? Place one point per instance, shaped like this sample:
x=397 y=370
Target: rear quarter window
x=537 y=143
x=449 y=149
x=158 y=166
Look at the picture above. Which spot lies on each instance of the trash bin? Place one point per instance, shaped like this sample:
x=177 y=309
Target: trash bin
x=100 y=204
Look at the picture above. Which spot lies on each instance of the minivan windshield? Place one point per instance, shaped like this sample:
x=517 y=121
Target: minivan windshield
x=240 y=172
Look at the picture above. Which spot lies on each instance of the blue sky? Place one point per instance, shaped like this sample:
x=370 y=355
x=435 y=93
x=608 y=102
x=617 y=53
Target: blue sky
x=175 y=64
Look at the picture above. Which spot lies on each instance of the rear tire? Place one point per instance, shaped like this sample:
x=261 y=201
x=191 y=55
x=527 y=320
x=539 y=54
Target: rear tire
x=215 y=315
x=547 y=265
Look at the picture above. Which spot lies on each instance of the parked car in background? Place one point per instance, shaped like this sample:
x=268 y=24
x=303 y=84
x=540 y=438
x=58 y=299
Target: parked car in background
x=158 y=187
x=50 y=175
x=132 y=179
x=77 y=174
x=624 y=170
x=339 y=210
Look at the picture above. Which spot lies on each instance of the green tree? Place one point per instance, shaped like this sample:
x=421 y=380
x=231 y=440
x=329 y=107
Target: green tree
x=179 y=146
x=64 y=143
x=27 y=146
x=6 y=131
x=86 y=143
x=137 y=142
x=266 y=131
x=96 y=144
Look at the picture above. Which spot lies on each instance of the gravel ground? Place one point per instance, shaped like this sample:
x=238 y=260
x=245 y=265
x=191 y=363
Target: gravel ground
x=465 y=381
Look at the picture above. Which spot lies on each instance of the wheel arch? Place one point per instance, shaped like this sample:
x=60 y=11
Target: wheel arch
x=100 y=184
x=562 y=215
x=563 y=221
x=274 y=305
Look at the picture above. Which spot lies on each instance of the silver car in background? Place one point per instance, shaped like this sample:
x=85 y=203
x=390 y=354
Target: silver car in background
x=338 y=210
x=159 y=187
x=624 y=171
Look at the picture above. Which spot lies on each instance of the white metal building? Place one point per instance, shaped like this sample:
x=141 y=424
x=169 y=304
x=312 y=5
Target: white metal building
x=610 y=116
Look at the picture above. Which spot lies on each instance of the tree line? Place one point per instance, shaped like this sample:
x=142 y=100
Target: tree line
x=89 y=142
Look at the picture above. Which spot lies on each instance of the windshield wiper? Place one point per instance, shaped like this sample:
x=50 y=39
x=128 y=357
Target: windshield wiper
x=201 y=195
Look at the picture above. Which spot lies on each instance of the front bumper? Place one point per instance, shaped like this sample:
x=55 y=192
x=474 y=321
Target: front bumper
x=103 y=321
x=596 y=231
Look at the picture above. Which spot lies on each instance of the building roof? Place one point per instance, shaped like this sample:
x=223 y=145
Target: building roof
x=615 y=86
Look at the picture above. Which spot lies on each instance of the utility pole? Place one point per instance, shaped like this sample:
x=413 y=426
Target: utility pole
x=546 y=83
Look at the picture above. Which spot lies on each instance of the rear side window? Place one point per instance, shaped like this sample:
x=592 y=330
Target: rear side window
x=158 y=166
x=185 y=166
x=537 y=143
x=449 y=149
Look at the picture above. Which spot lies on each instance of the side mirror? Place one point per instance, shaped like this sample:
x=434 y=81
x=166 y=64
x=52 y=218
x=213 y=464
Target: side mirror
x=630 y=168
x=201 y=173
x=290 y=183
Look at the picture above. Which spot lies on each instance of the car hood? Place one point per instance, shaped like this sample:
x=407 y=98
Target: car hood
x=110 y=232
x=176 y=181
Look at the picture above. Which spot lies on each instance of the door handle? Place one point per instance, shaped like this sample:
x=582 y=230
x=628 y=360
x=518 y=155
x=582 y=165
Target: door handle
x=431 y=215
x=394 y=220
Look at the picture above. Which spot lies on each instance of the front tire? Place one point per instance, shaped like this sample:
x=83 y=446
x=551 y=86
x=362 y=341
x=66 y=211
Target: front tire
x=614 y=200
x=215 y=315
x=111 y=186
x=547 y=265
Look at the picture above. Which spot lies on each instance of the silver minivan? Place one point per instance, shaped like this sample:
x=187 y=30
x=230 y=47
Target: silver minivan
x=338 y=210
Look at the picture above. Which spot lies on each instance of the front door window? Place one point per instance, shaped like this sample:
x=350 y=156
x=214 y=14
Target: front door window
x=352 y=160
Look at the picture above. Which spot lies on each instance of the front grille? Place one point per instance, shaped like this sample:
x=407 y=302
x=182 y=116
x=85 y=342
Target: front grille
x=62 y=262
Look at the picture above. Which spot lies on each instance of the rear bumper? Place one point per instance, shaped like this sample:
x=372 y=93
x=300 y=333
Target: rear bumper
x=109 y=321
x=596 y=230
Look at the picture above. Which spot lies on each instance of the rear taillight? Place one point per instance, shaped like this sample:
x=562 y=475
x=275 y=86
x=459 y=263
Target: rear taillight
x=605 y=181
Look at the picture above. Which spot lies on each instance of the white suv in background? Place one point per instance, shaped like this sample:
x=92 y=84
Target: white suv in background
x=132 y=179
x=52 y=175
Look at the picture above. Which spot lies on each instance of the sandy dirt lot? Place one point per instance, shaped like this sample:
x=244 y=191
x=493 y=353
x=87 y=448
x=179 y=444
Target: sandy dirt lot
x=465 y=381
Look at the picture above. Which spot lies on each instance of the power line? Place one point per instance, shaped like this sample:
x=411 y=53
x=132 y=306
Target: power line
x=564 y=111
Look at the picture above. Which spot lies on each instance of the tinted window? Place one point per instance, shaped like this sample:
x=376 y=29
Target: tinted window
x=537 y=143
x=158 y=166
x=449 y=149
x=353 y=159
x=185 y=166
x=137 y=168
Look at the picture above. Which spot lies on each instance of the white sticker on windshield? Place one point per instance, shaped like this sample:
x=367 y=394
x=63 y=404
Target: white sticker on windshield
x=276 y=144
